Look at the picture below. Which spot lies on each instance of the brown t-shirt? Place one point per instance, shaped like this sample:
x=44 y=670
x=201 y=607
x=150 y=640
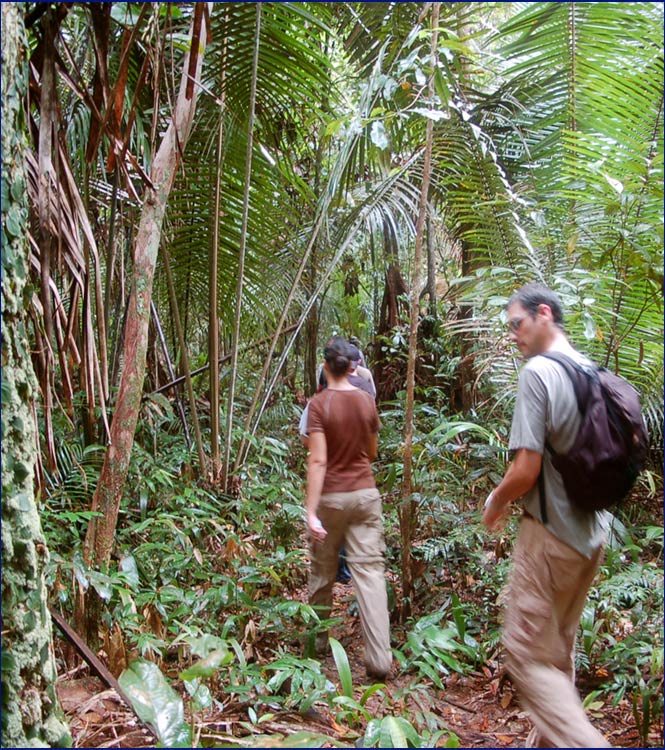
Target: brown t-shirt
x=347 y=419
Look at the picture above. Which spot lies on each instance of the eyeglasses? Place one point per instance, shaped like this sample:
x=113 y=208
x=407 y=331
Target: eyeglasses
x=515 y=323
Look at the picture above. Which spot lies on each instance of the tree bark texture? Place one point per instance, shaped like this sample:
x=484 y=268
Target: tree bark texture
x=101 y=531
x=31 y=716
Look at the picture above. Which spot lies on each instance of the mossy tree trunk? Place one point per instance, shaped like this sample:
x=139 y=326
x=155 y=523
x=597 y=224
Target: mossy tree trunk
x=31 y=716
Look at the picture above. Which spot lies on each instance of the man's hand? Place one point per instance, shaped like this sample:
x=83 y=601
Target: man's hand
x=520 y=477
x=494 y=516
x=315 y=528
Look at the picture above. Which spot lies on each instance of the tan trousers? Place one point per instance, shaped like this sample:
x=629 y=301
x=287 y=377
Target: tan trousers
x=547 y=591
x=355 y=520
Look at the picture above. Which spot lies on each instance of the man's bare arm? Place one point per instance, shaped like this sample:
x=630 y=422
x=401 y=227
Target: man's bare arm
x=520 y=477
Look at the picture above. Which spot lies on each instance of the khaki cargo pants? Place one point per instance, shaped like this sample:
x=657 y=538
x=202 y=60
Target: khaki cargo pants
x=546 y=595
x=355 y=519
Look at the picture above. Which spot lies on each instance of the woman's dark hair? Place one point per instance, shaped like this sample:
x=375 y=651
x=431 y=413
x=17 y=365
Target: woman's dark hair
x=532 y=295
x=338 y=355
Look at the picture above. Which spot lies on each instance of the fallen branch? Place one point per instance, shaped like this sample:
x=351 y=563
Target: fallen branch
x=95 y=663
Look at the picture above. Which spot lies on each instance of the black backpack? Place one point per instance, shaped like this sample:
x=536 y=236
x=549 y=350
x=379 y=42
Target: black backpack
x=610 y=449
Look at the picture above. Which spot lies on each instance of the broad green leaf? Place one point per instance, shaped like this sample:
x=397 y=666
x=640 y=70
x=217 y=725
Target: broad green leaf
x=590 y=328
x=343 y=668
x=156 y=703
x=351 y=704
x=458 y=616
x=452 y=663
x=392 y=734
x=204 y=645
x=452 y=741
x=101 y=583
x=431 y=671
x=200 y=693
x=125 y=14
x=369 y=692
x=452 y=429
x=128 y=567
x=207 y=667
x=372 y=732
x=614 y=184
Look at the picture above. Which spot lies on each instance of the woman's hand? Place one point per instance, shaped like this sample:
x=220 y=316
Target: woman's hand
x=315 y=528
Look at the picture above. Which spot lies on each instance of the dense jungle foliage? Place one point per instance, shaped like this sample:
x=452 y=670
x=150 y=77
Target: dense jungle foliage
x=211 y=190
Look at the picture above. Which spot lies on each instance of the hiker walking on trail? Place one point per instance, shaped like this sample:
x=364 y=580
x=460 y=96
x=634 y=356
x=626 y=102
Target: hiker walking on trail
x=343 y=505
x=354 y=376
x=365 y=383
x=559 y=546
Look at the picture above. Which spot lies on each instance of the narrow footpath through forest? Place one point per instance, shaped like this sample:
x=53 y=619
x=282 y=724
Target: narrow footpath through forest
x=480 y=708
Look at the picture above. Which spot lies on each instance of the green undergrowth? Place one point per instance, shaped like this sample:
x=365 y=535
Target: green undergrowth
x=208 y=591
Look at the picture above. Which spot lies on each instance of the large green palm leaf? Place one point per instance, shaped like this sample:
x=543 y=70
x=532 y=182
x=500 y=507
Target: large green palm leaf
x=588 y=159
x=293 y=73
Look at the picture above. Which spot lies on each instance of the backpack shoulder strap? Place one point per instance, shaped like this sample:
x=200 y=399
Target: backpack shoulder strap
x=578 y=375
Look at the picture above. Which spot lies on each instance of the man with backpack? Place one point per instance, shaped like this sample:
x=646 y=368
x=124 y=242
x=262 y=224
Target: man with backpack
x=560 y=544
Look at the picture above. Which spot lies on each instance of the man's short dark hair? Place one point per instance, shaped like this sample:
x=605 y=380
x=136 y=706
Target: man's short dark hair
x=530 y=296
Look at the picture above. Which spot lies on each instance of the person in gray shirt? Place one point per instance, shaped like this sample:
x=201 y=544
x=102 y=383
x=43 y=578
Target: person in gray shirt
x=554 y=562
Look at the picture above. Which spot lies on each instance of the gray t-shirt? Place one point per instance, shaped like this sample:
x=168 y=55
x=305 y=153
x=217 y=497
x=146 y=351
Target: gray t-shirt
x=546 y=410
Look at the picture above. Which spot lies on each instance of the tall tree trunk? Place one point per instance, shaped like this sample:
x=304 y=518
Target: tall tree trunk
x=431 y=268
x=101 y=530
x=213 y=329
x=31 y=715
x=241 y=255
x=461 y=398
x=311 y=358
x=47 y=180
x=408 y=507
x=388 y=371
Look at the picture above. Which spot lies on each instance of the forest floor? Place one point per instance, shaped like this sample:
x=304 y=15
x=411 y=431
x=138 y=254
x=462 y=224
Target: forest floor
x=481 y=708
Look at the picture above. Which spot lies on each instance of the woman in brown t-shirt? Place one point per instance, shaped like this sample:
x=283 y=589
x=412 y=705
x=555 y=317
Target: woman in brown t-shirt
x=343 y=505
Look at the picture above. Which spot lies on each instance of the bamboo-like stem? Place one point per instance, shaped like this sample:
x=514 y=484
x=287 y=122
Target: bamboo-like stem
x=184 y=360
x=324 y=202
x=213 y=329
x=241 y=255
x=224 y=358
x=169 y=365
x=101 y=529
x=408 y=507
